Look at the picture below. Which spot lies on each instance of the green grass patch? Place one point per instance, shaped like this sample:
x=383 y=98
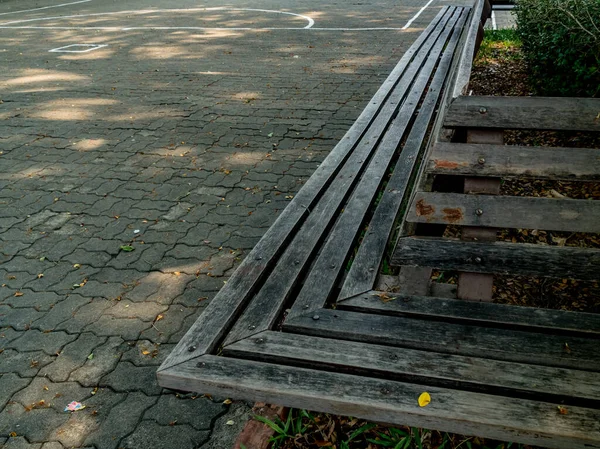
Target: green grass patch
x=499 y=45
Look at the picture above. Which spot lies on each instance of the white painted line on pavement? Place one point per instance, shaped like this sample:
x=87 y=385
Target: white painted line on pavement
x=88 y=48
x=73 y=28
x=417 y=15
x=310 y=21
x=44 y=7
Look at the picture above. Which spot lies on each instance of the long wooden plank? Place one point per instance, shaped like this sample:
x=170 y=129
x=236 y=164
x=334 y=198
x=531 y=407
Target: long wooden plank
x=464 y=412
x=443 y=370
x=541 y=113
x=343 y=236
x=580 y=164
x=217 y=318
x=499 y=257
x=380 y=142
x=451 y=338
x=560 y=322
x=469 y=50
x=506 y=212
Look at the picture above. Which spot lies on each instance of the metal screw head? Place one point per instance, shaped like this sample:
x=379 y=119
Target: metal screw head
x=371 y=269
x=478 y=259
x=393 y=357
x=200 y=364
x=260 y=341
x=258 y=258
x=316 y=317
x=251 y=327
x=479 y=212
x=296 y=262
x=481 y=161
x=332 y=265
x=192 y=348
x=482 y=110
x=306 y=306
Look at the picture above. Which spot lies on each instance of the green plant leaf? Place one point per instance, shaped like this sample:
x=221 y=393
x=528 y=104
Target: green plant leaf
x=127 y=248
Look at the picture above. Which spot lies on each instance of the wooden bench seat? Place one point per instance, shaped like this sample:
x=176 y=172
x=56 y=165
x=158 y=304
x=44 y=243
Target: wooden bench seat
x=301 y=323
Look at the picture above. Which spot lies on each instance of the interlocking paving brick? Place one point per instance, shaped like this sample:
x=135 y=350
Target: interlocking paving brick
x=61 y=312
x=38 y=300
x=173 y=143
x=122 y=420
x=105 y=359
x=21 y=443
x=148 y=434
x=73 y=356
x=85 y=315
x=49 y=342
x=35 y=425
x=196 y=412
x=55 y=395
x=25 y=364
x=170 y=322
x=9 y=384
x=128 y=377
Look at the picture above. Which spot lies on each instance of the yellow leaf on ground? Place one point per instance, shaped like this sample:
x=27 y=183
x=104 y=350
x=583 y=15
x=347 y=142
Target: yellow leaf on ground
x=424 y=399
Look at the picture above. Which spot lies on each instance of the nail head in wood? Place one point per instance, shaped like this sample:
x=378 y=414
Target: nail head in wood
x=479 y=212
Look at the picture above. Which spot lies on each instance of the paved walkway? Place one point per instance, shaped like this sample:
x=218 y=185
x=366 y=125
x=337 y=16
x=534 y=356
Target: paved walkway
x=137 y=167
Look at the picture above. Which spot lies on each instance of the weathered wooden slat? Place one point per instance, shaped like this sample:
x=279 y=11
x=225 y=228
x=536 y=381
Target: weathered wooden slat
x=558 y=322
x=451 y=338
x=380 y=142
x=499 y=257
x=365 y=265
x=219 y=315
x=464 y=412
x=443 y=370
x=506 y=212
x=580 y=164
x=540 y=113
x=469 y=50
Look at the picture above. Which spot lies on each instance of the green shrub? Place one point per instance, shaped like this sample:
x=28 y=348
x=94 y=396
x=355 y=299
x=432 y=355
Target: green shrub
x=561 y=42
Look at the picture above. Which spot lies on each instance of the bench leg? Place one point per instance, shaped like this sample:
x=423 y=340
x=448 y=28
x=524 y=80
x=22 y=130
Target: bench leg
x=478 y=286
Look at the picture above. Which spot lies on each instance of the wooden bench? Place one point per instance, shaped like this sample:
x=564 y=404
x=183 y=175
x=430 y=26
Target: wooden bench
x=302 y=324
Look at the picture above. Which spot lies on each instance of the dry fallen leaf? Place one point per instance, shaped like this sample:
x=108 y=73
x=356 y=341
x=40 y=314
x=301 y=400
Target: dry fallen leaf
x=158 y=318
x=17 y=294
x=424 y=399
x=562 y=410
x=227 y=401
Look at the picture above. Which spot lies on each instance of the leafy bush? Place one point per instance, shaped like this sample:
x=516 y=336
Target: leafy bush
x=561 y=42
